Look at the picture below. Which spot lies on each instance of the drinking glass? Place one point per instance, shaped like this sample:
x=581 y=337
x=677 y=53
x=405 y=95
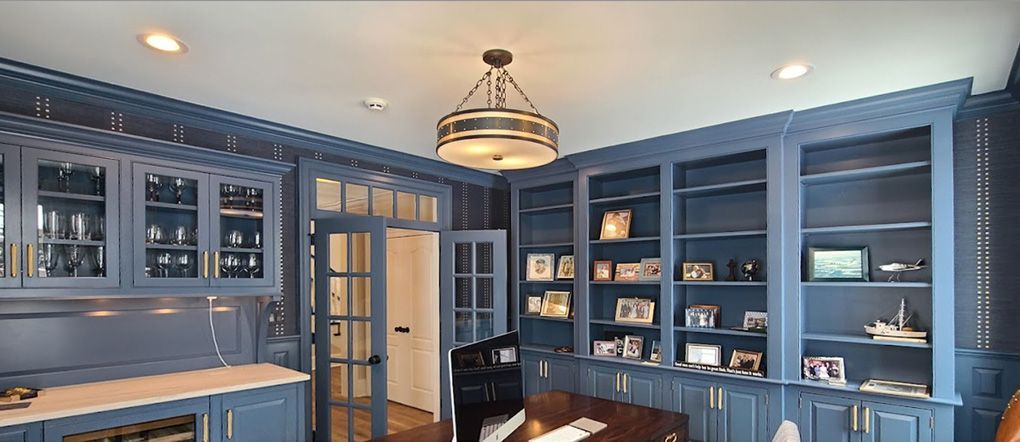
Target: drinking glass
x=163 y=260
x=53 y=225
x=74 y=258
x=96 y=174
x=50 y=258
x=234 y=238
x=98 y=228
x=99 y=260
x=154 y=234
x=230 y=263
x=184 y=263
x=251 y=196
x=153 y=184
x=253 y=264
x=64 y=172
x=257 y=241
x=177 y=186
x=79 y=226
x=229 y=192
x=180 y=236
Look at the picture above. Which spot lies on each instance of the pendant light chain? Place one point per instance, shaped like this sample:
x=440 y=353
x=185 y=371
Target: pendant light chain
x=472 y=91
x=502 y=78
x=523 y=95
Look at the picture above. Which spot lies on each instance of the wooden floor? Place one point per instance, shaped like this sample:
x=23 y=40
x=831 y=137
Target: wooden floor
x=399 y=418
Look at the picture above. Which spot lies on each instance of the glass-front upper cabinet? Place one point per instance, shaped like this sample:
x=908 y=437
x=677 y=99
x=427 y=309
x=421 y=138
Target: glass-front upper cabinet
x=171 y=227
x=241 y=240
x=10 y=205
x=70 y=218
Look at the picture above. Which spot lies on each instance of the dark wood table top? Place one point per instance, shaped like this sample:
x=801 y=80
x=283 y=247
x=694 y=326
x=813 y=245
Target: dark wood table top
x=549 y=411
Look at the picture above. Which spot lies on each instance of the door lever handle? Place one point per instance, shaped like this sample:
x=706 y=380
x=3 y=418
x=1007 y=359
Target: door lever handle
x=399 y=329
x=374 y=360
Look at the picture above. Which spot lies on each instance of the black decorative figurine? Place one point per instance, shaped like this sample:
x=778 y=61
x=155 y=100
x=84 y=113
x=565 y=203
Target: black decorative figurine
x=749 y=269
x=733 y=270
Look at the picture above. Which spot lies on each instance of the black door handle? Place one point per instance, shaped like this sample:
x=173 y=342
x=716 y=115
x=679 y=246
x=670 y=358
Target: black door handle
x=399 y=329
x=374 y=360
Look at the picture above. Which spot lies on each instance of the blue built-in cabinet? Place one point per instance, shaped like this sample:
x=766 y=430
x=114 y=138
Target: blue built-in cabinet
x=873 y=172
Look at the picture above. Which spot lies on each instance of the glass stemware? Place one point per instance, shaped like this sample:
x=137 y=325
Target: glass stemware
x=154 y=234
x=153 y=184
x=73 y=258
x=253 y=265
x=230 y=263
x=184 y=263
x=79 y=226
x=96 y=174
x=163 y=260
x=177 y=186
x=64 y=172
x=228 y=193
x=257 y=241
x=251 y=196
x=50 y=258
x=99 y=260
x=234 y=238
x=181 y=236
x=53 y=225
x=98 y=228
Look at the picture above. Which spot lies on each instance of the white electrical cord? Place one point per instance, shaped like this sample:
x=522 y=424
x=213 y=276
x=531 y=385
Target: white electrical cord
x=212 y=328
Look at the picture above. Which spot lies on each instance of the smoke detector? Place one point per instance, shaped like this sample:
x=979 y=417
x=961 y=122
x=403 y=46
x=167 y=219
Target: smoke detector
x=376 y=104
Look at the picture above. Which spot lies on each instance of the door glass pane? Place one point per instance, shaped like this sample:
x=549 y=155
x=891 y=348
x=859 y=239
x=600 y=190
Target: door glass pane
x=338 y=252
x=382 y=202
x=463 y=327
x=327 y=195
x=338 y=416
x=405 y=205
x=357 y=199
x=338 y=386
x=427 y=208
x=72 y=220
x=462 y=257
x=362 y=423
x=462 y=296
x=338 y=296
x=483 y=293
x=483 y=257
x=171 y=226
x=361 y=252
x=361 y=288
x=241 y=213
x=485 y=326
x=338 y=337
x=361 y=340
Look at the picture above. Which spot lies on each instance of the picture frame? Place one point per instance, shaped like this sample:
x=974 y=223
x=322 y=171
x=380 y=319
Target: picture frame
x=637 y=310
x=703 y=354
x=540 y=267
x=699 y=318
x=894 y=388
x=651 y=269
x=616 y=224
x=698 y=271
x=746 y=360
x=714 y=313
x=534 y=305
x=656 y=355
x=824 y=369
x=617 y=337
x=565 y=267
x=602 y=271
x=506 y=355
x=835 y=264
x=628 y=271
x=556 y=304
x=604 y=348
x=756 y=320
x=633 y=346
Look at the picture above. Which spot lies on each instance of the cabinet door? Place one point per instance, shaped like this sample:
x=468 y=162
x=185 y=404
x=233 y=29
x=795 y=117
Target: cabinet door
x=696 y=399
x=827 y=419
x=561 y=374
x=534 y=382
x=889 y=423
x=268 y=414
x=72 y=203
x=179 y=421
x=243 y=239
x=170 y=227
x=603 y=383
x=22 y=433
x=742 y=414
x=643 y=389
x=11 y=249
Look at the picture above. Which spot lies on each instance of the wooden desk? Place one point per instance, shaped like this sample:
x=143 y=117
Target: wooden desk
x=548 y=411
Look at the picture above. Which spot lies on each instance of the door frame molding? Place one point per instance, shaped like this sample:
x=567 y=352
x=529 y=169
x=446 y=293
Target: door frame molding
x=308 y=171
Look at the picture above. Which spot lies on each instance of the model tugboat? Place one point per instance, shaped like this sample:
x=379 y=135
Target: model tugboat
x=896 y=328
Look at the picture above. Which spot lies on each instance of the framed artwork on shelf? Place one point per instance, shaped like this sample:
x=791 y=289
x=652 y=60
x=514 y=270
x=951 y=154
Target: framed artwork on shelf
x=556 y=304
x=637 y=310
x=824 y=369
x=604 y=348
x=565 y=268
x=656 y=355
x=756 y=320
x=695 y=317
x=534 y=305
x=746 y=360
x=602 y=271
x=895 y=388
x=651 y=269
x=698 y=271
x=617 y=337
x=704 y=354
x=838 y=264
x=628 y=271
x=616 y=224
x=633 y=346
x=540 y=266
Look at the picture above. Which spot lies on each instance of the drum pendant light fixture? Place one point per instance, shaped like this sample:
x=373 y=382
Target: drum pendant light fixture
x=496 y=137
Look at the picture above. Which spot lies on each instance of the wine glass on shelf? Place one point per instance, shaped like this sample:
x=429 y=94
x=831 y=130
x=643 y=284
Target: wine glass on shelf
x=99 y=260
x=74 y=257
x=180 y=236
x=153 y=184
x=53 y=224
x=64 y=172
x=230 y=192
x=251 y=197
x=154 y=234
x=253 y=264
x=177 y=186
x=257 y=241
x=184 y=263
x=234 y=238
x=99 y=228
x=96 y=174
x=50 y=258
x=79 y=226
x=230 y=263
x=163 y=260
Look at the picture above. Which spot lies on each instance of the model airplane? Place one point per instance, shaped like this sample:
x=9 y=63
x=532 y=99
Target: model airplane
x=897 y=268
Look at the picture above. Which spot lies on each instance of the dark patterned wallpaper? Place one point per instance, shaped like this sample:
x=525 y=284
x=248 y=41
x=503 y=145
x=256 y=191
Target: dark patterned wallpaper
x=987 y=175
x=474 y=206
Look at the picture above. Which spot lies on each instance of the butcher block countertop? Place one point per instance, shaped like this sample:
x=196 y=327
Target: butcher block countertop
x=75 y=400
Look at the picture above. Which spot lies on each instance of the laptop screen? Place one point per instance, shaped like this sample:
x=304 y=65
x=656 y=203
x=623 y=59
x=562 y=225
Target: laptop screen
x=487 y=384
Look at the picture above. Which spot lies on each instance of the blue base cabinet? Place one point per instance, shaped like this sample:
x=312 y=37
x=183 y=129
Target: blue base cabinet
x=544 y=372
x=22 y=433
x=834 y=418
x=721 y=411
x=269 y=414
x=624 y=384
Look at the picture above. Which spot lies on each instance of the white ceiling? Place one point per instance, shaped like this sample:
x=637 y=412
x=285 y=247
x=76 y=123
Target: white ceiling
x=605 y=72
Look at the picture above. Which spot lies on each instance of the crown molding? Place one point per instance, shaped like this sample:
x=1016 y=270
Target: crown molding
x=986 y=104
x=561 y=166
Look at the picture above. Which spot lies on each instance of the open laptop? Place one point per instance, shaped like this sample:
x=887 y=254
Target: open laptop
x=487 y=386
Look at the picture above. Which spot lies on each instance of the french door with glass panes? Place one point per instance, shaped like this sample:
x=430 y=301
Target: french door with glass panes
x=350 y=328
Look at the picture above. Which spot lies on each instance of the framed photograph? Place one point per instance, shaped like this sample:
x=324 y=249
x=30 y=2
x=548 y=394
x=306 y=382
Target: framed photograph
x=616 y=224
x=534 y=305
x=838 y=264
x=603 y=271
x=746 y=360
x=756 y=320
x=506 y=355
x=824 y=369
x=540 y=266
x=895 y=388
x=565 y=268
x=703 y=316
x=638 y=310
x=704 y=354
x=556 y=304
x=633 y=346
x=698 y=271
x=617 y=337
x=656 y=355
x=630 y=271
x=651 y=269
x=604 y=348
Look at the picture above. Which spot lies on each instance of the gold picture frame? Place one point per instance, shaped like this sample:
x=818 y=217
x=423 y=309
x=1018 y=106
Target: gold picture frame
x=698 y=271
x=628 y=271
x=637 y=310
x=565 y=267
x=556 y=304
x=616 y=224
x=746 y=360
x=602 y=271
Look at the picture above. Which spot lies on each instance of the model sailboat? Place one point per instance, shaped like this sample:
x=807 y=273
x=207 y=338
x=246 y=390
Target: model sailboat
x=896 y=328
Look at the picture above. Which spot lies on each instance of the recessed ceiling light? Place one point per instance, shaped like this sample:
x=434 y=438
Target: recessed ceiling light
x=791 y=71
x=163 y=43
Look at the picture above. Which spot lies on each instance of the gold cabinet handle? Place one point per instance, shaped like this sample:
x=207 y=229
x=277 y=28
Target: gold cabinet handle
x=230 y=424
x=867 y=419
x=853 y=418
x=205 y=264
x=617 y=381
x=14 y=260
x=720 y=397
x=711 y=397
x=545 y=364
x=205 y=427
x=216 y=264
x=625 y=382
x=29 y=260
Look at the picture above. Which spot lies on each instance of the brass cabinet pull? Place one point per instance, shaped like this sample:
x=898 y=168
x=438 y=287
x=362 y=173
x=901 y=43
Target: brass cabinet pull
x=546 y=365
x=14 y=260
x=720 y=397
x=711 y=397
x=853 y=418
x=205 y=264
x=205 y=427
x=867 y=419
x=625 y=382
x=617 y=381
x=230 y=424
x=216 y=264
x=29 y=260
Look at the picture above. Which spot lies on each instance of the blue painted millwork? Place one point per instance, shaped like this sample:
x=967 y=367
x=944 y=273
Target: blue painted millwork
x=22 y=433
x=986 y=380
x=271 y=414
x=545 y=371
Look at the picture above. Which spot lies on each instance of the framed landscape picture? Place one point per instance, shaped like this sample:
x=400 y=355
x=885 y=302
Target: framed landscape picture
x=838 y=264
x=616 y=224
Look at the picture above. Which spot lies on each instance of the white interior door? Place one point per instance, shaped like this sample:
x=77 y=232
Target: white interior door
x=412 y=316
